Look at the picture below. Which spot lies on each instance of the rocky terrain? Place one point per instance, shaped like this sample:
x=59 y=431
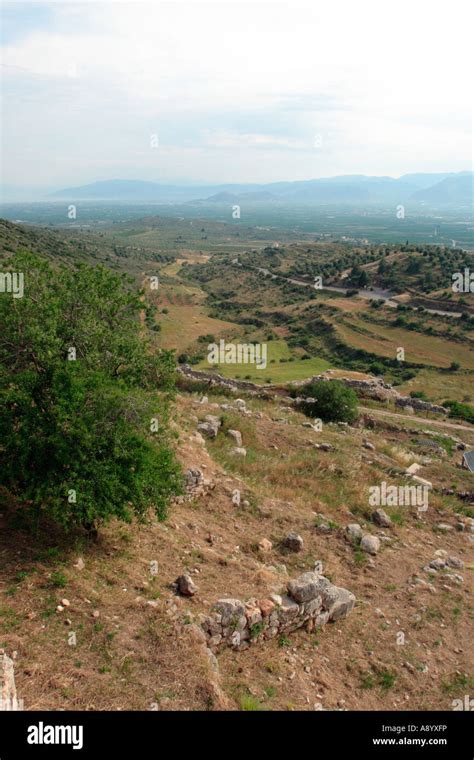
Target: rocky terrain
x=273 y=585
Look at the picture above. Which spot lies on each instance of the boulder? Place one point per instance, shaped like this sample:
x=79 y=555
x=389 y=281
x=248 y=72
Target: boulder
x=293 y=542
x=335 y=601
x=213 y=420
x=381 y=518
x=305 y=587
x=455 y=562
x=236 y=435
x=342 y=602
x=208 y=429
x=238 y=451
x=370 y=544
x=353 y=532
x=185 y=585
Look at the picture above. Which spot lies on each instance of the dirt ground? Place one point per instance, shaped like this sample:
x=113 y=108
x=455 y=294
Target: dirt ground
x=120 y=641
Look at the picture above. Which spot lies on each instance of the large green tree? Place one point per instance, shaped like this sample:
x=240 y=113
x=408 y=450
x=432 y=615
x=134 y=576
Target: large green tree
x=84 y=399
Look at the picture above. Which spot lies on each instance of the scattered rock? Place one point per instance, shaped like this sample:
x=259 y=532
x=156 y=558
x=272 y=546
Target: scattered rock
x=210 y=426
x=455 y=562
x=238 y=451
x=293 y=542
x=353 y=532
x=381 y=518
x=185 y=585
x=265 y=545
x=323 y=528
x=79 y=564
x=236 y=435
x=370 y=544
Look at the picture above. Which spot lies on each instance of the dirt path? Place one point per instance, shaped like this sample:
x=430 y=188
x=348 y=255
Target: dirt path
x=371 y=295
x=424 y=420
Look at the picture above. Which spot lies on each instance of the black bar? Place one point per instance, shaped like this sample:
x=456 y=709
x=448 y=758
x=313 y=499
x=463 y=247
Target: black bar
x=310 y=734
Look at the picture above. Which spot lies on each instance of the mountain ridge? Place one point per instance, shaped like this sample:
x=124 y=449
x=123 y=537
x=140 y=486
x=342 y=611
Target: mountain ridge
x=440 y=187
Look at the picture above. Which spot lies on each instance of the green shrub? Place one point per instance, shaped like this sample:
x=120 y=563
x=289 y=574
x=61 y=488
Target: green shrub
x=418 y=394
x=334 y=401
x=462 y=411
x=75 y=434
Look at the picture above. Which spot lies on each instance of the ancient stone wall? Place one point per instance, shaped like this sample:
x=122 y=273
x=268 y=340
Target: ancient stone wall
x=311 y=600
x=215 y=379
x=376 y=388
x=422 y=406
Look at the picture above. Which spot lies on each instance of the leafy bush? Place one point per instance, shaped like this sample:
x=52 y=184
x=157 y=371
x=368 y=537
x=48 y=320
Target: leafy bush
x=208 y=338
x=418 y=394
x=462 y=411
x=377 y=368
x=333 y=401
x=78 y=393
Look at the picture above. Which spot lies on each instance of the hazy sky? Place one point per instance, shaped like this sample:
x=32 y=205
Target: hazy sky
x=233 y=91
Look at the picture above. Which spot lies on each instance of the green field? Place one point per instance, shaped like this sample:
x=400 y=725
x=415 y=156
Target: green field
x=281 y=366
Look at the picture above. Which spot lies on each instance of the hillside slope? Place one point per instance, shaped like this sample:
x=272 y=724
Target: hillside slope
x=136 y=647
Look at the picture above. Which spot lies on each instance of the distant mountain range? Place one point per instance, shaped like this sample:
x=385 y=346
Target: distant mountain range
x=430 y=189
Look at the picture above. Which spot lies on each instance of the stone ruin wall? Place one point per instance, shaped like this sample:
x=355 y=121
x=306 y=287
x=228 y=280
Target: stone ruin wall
x=311 y=600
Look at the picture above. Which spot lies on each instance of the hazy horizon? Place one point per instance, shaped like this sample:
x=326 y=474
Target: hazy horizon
x=230 y=93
